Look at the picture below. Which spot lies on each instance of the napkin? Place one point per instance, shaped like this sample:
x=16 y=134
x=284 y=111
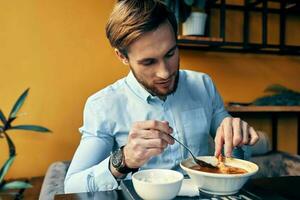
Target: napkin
x=188 y=188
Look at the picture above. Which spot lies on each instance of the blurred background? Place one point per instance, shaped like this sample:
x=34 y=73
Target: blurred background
x=59 y=50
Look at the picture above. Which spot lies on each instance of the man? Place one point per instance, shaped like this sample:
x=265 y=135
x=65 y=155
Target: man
x=127 y=125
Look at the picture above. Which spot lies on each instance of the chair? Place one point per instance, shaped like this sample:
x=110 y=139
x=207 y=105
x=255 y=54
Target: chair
x=273 y=163
x=54 y=180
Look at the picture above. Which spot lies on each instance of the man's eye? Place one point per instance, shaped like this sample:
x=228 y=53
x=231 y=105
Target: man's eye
x=150 y=62
x=170 y=54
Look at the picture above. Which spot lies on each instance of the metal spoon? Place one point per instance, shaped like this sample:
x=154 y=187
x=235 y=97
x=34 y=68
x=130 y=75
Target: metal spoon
x=199 y=162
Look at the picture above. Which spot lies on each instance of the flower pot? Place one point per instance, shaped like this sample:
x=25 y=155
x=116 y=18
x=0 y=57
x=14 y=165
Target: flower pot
x=195 y=24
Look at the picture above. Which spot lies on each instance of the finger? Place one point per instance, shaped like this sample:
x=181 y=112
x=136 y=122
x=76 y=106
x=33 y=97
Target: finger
x=154 y=124
x=219 y=141
x=253 y=136
x=163 y=136
x=228 y=136
x=134 y=133
x=167 y=138
x=150 y=134
x=237 y=134
x=153 y=152
x=245 y=128
x=167 y=123
x=155 y=134
x=156 y=143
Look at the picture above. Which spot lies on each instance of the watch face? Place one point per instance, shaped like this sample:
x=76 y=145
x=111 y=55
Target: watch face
x=118 y=162
x=117 y=158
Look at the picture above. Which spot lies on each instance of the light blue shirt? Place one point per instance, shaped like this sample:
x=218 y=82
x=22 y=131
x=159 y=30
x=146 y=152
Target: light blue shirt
x=194 y=111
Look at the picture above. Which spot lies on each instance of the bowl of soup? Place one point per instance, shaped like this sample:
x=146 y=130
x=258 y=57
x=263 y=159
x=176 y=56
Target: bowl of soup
x=228 y=178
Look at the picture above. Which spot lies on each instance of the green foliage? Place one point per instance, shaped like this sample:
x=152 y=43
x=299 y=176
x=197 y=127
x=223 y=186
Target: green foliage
x=280 y=96
x=31 y=128
x=16 y=185
x=6 y=166
x=18 y=104
x=7 y=125
x=278 y=89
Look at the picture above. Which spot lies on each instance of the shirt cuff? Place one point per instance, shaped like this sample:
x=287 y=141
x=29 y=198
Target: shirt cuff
x=103 y=178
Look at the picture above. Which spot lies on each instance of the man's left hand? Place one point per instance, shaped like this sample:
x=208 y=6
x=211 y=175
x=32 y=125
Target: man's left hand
x=234 y=132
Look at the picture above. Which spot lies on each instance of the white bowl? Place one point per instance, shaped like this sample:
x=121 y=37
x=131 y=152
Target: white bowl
x=157 y=184
x=219 y=184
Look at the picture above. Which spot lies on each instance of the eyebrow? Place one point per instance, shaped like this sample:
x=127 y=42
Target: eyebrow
x=149 y=59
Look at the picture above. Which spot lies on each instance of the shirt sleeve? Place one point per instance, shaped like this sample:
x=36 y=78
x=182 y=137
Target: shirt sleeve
x=89 y=169
x=218 y=110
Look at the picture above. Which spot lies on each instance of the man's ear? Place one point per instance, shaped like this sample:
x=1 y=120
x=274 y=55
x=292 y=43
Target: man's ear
x=122 y=57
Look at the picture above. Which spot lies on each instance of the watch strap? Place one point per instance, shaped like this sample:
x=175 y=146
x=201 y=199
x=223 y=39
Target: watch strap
x=120 y=164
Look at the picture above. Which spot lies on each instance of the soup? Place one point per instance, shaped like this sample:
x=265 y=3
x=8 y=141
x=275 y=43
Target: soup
x=220 y=170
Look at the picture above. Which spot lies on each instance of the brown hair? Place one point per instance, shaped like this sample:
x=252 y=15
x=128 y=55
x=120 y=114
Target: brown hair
x=131 y=18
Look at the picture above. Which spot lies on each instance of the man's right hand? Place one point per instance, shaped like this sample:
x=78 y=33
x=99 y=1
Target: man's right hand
x=146 y=139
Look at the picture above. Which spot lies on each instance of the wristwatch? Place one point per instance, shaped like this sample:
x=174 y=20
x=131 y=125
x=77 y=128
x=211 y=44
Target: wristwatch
x=117 y=160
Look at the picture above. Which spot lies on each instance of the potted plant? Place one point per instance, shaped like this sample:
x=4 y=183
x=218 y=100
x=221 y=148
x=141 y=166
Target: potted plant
x=191 y=13
x=4 y=128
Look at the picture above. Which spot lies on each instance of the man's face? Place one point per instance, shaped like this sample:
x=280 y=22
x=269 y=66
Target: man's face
x=154 y=60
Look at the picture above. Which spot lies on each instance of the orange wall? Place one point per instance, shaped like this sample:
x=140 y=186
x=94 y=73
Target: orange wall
x=59 y=50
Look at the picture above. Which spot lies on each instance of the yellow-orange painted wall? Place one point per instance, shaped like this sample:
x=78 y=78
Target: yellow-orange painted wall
x=59 y=50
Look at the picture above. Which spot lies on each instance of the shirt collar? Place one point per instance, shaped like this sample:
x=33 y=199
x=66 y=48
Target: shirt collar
x=139 y=90
x=136 y=87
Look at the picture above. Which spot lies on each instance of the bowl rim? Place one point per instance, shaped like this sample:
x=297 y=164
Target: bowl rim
x=151 y=183
x=220 y=175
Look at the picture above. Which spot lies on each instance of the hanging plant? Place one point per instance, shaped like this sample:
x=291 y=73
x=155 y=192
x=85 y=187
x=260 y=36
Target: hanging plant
x=7 y=125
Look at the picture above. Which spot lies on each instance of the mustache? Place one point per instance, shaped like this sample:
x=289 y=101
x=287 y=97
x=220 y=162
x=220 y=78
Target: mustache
x=167 y=79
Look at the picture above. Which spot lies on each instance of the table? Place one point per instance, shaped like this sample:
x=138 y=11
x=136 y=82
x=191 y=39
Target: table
x=274 y=112
x=263 y=188
x=28 y=194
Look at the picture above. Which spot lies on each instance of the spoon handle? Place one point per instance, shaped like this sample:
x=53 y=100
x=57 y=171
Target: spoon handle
x=199 y=162
x=184 y=147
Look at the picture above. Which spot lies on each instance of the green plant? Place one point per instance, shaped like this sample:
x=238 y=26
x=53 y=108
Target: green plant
x=280 y=96
x=7 y=125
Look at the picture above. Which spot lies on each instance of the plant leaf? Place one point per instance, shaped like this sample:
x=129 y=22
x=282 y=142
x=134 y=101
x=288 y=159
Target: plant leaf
x=6 y=166
x=277 y=89
x=31 y=128
x=16 y=185
x=3 y=118
x=18 y=104
x=11 y=145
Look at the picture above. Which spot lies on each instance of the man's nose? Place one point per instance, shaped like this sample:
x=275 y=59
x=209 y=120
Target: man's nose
x=163 y=71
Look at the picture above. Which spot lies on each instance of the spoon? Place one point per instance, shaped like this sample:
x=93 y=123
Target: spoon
x=199 y=162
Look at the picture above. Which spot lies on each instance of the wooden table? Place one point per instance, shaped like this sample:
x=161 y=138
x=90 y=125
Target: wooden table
x=30 y=193
x=274 y=112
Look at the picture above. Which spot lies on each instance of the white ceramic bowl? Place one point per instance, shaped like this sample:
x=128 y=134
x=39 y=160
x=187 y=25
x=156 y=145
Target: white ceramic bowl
x=157 y=184
x=220 y=184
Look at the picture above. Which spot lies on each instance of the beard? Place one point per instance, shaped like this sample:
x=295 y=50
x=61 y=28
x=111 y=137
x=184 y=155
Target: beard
x=155 y=91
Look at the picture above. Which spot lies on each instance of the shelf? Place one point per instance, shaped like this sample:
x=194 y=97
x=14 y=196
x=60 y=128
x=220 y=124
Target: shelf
x=283 y=8
x=243 y=109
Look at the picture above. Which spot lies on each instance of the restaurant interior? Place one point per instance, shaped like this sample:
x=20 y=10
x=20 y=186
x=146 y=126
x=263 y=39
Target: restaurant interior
x=59 y=50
